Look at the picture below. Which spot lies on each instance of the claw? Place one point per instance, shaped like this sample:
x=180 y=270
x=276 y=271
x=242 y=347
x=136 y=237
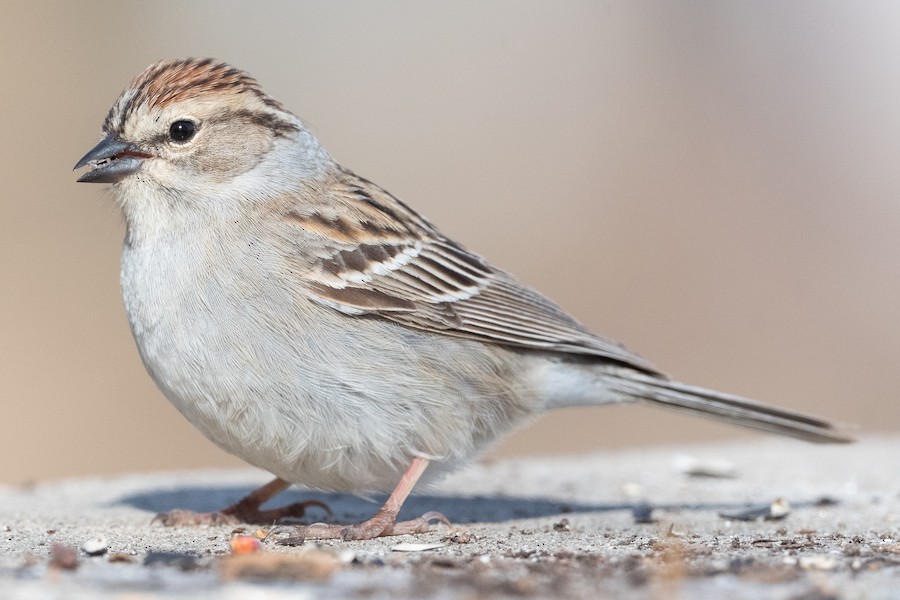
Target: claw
x=246 y=510
x=419 y=525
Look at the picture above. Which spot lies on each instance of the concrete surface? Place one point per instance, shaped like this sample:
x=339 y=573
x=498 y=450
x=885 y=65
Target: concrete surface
x=563 y=528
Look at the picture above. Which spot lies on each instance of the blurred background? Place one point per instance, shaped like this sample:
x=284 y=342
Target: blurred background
x=715 y=184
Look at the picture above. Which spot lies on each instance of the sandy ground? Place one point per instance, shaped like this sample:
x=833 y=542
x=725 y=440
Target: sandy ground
x=563 y=527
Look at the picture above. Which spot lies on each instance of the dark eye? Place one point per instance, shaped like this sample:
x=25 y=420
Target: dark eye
x=182 y=131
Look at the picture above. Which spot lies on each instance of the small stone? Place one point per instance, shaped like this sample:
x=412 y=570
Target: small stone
x=779 y=509
x=97 y=546
x=291 y=541
x=826 y=501
x=120 y=557
x=410 y=547
x=460 y=537
x=245 y=544
x=643 y=514
x=775 y=511
x=710 y=467
x=63 y=557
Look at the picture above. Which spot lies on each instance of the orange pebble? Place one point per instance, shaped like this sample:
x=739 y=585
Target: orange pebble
x=245 y=544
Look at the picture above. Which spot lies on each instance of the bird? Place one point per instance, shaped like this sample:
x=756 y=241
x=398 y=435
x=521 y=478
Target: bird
x=311 y=323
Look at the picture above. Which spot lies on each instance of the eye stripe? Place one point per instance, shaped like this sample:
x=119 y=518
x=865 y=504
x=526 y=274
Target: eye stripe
x=279 y=126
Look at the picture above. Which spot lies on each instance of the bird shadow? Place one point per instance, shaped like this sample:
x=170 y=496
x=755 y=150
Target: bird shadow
x=458 y=509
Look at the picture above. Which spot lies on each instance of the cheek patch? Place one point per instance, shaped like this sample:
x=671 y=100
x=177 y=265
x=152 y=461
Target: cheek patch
x=230 y=149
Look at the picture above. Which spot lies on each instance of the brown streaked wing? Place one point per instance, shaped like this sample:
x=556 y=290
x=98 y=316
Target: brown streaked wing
x=429 y=282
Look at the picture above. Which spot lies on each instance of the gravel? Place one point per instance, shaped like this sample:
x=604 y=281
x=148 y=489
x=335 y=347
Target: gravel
x=632 y=524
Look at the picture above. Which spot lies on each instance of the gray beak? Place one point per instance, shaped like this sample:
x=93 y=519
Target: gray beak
x=112 y=160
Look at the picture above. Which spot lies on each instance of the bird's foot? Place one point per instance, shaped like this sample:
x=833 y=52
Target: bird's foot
x=246 y=510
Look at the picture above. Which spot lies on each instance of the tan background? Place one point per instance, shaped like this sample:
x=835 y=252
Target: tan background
x=716 y=184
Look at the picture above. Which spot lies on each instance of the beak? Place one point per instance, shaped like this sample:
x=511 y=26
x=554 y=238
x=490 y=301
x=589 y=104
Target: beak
x=112 y=160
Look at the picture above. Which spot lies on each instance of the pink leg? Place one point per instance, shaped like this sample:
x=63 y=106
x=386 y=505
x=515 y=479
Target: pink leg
x=385 y=520
x=246 y=510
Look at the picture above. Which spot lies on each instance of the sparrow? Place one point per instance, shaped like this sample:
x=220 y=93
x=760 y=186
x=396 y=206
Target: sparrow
x=311 y=323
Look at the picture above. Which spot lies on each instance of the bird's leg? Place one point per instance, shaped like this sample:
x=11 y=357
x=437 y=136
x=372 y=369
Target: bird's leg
x=245 y=510
x=383 y=523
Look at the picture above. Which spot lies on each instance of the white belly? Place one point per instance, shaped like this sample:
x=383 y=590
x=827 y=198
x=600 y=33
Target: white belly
x=290 y=387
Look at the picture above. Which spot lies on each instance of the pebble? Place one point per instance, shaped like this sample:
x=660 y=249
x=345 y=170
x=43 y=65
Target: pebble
x=709 y=467
x=95 y=547
x=777 y=510
x=411 y=547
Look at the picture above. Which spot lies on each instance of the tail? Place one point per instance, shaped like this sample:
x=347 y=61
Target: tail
x=732 y=409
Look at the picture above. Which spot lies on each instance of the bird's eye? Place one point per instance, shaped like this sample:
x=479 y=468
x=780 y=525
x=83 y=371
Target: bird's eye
x=182 y=131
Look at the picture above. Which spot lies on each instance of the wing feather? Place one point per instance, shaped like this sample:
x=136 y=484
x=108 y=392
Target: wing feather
x=384 y=259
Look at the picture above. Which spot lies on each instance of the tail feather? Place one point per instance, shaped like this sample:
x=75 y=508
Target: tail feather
x=732 y=409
